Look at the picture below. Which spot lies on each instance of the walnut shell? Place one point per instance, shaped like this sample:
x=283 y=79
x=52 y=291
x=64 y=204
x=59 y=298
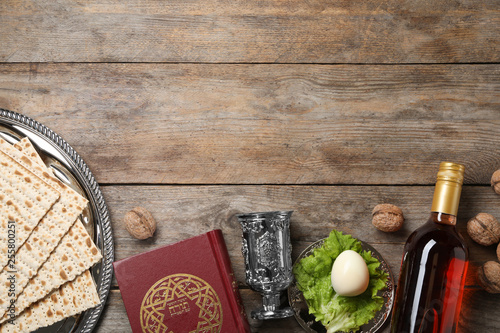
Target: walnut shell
x=140 y=223
x=484 y=229
x=387 y=217
x=495 y=181
x=498 y=251
x=489 y=277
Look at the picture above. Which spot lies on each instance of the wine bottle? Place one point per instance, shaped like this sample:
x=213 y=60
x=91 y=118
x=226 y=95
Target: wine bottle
x=434 y=264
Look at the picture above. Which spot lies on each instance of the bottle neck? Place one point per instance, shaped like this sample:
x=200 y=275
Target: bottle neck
x=443 y=218
x=445 y=201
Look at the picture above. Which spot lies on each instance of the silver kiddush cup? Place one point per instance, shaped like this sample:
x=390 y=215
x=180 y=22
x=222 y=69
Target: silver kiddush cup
x=268 y=263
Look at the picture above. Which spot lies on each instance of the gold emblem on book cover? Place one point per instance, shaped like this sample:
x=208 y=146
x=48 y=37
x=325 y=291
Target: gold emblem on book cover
x=181 y=301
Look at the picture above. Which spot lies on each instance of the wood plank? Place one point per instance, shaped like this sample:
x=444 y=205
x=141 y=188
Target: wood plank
x=114 y=317
x=185 y=211
x=293 y=31
x=266 y=124
x=479 y=314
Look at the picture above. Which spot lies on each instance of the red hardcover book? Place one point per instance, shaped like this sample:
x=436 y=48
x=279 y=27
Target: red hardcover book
x=188 y=286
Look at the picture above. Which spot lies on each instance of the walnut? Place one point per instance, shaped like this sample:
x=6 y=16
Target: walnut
x=484 y=229
x=498 y=251
x=489 y=277
x=495 y=181
x=140 y=223
x=387 y=217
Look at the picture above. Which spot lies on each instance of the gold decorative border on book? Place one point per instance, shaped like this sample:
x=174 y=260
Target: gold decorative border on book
x=174 y=295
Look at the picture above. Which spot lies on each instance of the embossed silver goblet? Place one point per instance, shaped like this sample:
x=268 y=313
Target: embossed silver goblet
x=268 y=263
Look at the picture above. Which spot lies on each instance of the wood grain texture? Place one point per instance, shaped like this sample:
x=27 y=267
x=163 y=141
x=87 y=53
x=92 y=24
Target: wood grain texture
x=199 y=110
x=266 y=124
x=185 y=211
x=478 y=315
x=344 y=31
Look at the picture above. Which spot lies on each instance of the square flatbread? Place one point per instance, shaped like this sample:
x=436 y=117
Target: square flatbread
x=49 y=231
x=70 y=299
x=75 y=253
x=25 y=198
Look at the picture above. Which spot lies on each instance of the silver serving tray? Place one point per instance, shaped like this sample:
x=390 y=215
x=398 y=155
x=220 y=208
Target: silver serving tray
x=308 y=321
x=69 y=167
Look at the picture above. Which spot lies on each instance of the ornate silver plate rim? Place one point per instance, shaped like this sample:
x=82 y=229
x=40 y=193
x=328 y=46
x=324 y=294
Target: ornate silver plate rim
x=70 y=168
x=307 y=321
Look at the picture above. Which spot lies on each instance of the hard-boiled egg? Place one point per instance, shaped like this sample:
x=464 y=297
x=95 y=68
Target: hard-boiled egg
x=350 y=275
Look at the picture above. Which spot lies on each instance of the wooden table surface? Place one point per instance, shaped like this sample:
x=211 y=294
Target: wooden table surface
x=199 y=110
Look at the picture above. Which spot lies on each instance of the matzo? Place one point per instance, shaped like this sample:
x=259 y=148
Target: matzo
x=72 y=298
x=31 y=191
x=75 y=254
x=24 y=199
x=25 y=146
x=45 y=237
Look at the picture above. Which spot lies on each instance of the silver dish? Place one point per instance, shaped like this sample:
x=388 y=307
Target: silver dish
x=308 y=322
x=69 y=167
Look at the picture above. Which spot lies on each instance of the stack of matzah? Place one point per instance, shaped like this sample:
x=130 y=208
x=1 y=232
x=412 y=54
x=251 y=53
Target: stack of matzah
x=53 y=252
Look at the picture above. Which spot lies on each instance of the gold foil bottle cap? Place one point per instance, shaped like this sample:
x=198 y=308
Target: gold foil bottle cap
x=450 y=178
x=453 y=172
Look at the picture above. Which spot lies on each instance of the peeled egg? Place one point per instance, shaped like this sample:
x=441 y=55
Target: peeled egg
x=350 y=274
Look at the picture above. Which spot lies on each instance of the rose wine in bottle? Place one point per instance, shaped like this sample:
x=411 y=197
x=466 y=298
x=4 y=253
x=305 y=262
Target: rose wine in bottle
x=434 y=264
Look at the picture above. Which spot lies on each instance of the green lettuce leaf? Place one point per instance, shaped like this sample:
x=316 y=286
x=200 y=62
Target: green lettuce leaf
x=338 y=313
